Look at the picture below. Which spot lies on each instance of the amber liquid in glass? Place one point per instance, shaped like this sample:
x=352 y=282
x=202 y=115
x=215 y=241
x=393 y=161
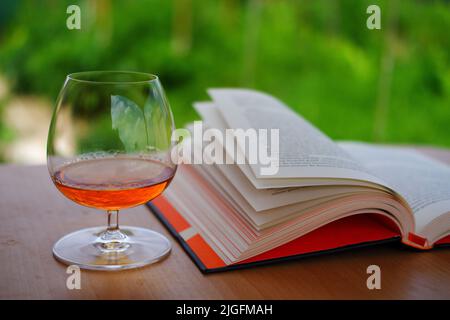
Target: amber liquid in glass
x=113 y=183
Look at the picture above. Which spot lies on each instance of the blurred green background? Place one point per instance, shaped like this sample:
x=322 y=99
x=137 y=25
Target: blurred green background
x=388 y=85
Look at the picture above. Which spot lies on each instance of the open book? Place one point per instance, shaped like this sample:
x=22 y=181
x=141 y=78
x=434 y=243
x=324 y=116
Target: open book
x=324 y=195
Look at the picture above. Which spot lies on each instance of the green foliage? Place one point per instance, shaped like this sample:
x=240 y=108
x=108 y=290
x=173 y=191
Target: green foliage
x=317 y=56
x=130 y=122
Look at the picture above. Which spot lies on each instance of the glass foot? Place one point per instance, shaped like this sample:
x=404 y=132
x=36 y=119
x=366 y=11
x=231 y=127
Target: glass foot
x=97 y=249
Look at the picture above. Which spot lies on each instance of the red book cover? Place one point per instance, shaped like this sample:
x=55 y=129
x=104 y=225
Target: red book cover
x=350 y=232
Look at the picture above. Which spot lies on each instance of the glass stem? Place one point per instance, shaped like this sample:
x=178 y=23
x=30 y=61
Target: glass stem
x=112 y=239
x=113 y=220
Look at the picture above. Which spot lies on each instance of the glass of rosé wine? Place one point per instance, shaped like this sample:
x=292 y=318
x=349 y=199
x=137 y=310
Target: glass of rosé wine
x=109 y=147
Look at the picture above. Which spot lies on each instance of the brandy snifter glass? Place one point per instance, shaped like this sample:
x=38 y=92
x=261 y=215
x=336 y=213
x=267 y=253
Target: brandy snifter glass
x=109 y=147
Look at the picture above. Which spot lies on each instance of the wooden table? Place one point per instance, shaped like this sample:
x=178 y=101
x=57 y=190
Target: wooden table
x=34 y=215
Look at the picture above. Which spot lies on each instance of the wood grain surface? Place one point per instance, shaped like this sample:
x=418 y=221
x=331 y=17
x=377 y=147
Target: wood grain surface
x=34 y=215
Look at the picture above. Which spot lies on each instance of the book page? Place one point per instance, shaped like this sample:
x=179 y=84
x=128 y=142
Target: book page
x=213 y=119
x=304 y=151
x=422 y=181
x=267 y=198
x=269 y=217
